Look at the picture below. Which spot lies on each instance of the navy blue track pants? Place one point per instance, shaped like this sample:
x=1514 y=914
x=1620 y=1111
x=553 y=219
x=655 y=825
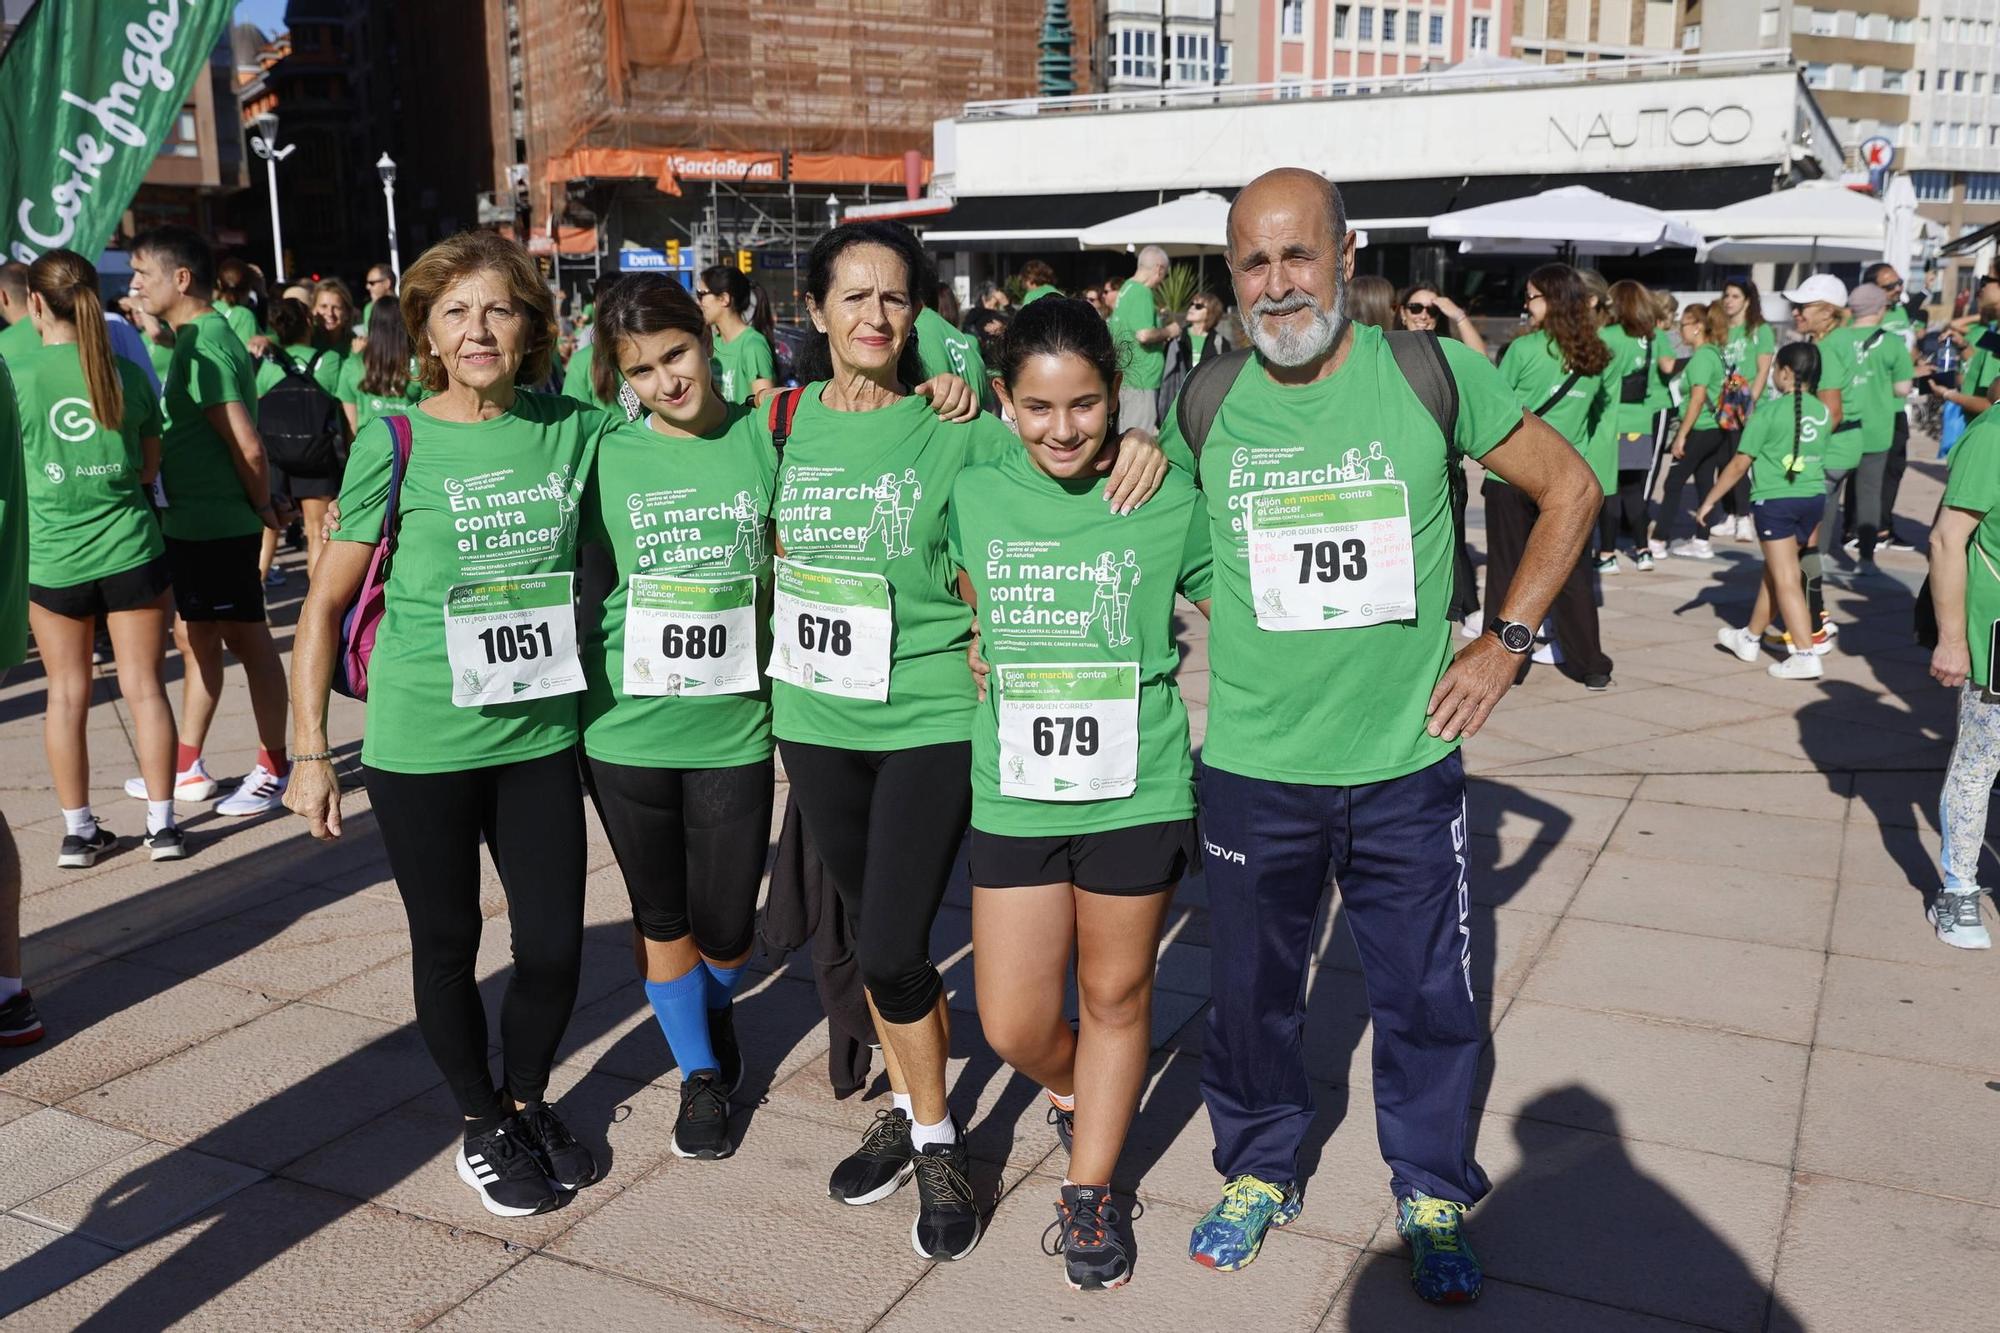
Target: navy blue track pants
x=1397 y=852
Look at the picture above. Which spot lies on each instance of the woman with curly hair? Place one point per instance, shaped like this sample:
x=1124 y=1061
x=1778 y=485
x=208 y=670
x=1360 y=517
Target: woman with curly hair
x=1559 y=372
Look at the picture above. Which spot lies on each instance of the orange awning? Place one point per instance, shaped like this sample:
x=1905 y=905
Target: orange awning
x=668 y=168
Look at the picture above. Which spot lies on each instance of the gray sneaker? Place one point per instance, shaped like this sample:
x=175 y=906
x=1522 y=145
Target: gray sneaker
x=1958 y=921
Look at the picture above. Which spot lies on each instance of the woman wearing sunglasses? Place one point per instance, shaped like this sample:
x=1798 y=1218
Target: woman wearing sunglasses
x=1427 y=310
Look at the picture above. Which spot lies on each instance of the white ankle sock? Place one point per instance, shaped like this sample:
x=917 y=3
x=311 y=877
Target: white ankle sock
x=1060 y=1103
x=159 y=815
x=900 y=1101
x=922 y=1136
x=79 y=823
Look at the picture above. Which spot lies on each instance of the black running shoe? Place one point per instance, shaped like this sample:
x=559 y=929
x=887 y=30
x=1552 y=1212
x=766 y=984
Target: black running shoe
x=82 y=853
x=20 y=1025
x=722 y=1040
x=702 y=1128
x=879 y=1166
x=169 y=844
x=947 y=1225
x=1065 y=1123
x=562 y=1159
x=505 y=1171
x=1086 y=1233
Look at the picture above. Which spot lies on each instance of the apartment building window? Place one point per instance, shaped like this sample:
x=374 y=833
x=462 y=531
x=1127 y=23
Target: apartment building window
x=1816 y=75
x=1292 y=17
x=1690 y=38
x=1920 y=81
x=1949 y=32
x=1902 y=30
x=1291 y=90
x=1367 y=23
x=1224 y=66
x=1958 y=80
x=1388 y=25
x=1982 y=187
x=1437 y=30
x=1479 y=33
x=1895 y=80
x=1767 y=23
x=1937 y=133
x=1413 y=27
x=1191 y=58
x=1341 y=13
x=1822 y=22
x=1978 y=83
x=1136 y=54
x=1857 y=82
x=1931 y=186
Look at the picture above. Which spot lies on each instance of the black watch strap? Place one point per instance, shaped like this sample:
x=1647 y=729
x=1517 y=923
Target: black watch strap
x=1513 y=635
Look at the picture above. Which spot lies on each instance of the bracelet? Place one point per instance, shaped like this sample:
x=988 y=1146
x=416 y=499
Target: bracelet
x=326 y=755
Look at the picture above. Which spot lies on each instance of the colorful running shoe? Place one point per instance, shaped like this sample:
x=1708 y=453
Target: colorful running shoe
x=1442 y=1266
x=1065 y=1123
x=1230 y=1235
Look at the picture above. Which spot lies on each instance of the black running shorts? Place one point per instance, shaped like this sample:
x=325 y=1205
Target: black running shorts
x=130 y=590
x=1128 y=862
x=218 y=580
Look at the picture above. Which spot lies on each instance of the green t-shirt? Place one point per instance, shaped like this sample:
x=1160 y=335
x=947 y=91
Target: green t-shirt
x=481 y=501
x=740 y=363
x=13 y=531
x=1836 y=372
x=19 y=338
x=241 y=319
x=1705 y=368
x=1197 y=345
x=371 y=406
x=1884 y=363
x=696 y=507
x=1741 y=349
x=326 y=370
x=1144 y=366
x=1533 y=368
x=205 y=499
x=1972 y=483
x=945 y=351
x=162 y=357
x=576 y=380
x=1335 y=707
x=866 y=491
x=1981 y=366
x=1768 y=439
x=1897 y=320
x=1034 y=294
x=1630 y=355
x=88 y=515
x=1061 y=580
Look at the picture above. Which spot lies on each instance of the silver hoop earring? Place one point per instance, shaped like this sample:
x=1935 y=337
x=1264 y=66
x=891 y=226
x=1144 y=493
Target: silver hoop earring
x=629 y=401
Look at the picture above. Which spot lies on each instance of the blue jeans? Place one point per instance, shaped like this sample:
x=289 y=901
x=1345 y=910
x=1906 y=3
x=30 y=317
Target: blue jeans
x=1397 y=850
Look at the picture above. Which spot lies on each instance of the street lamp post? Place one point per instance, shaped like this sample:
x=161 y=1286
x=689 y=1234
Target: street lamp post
x=387 y=167
x=832 y=211
x=265 y=144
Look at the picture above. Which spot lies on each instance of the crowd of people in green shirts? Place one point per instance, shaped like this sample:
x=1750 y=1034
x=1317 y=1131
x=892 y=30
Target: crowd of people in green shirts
x=652 y=577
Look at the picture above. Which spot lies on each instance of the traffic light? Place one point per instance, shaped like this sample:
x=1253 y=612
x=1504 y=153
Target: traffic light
x=743 y=260
x=673 y=254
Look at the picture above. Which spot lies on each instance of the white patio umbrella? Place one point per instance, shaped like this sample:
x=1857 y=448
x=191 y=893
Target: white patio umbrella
x=1899 y=245
x=1573 y=219
x=1194 y=224
x=1815 y=222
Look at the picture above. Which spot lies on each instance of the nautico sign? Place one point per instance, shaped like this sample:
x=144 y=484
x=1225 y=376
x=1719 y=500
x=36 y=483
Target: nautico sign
x=87 y=91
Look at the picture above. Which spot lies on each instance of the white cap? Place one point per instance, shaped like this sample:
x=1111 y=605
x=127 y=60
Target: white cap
x=1819 y=287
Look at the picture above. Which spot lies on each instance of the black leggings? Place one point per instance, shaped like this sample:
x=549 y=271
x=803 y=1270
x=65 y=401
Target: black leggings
x=1737 y=503
x=692 y=843
x=1624 y=512
x=1700 y=461
x=530 y=815
x=888 y=825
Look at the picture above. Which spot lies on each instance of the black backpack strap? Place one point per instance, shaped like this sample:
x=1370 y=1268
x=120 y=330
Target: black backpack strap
x=1202 y=394
x=1420 y=356
x=1562 y=392
x=784 y=407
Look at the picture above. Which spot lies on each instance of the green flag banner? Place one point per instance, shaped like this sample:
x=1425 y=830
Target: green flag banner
x=87 y=91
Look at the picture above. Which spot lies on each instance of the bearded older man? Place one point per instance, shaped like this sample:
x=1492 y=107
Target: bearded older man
x=1336 y=709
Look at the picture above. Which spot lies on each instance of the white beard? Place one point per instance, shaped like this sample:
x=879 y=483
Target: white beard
x=1291 y=347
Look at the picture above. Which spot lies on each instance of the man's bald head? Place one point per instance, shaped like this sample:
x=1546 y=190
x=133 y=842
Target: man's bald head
x=1293 y=190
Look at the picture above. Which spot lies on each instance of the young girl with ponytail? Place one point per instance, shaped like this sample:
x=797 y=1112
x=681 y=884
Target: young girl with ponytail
x=1783 y=450
x=90 y=430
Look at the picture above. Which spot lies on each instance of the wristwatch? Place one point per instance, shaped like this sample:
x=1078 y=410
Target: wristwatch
x=1513 y=635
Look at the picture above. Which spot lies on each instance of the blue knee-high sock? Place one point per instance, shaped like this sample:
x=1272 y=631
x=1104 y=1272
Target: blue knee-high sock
x=721 y=983
x=678 y=1004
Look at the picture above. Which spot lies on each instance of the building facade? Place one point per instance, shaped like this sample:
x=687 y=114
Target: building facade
x=1922 y=74
x=1295 y=43
x=1556 y=32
